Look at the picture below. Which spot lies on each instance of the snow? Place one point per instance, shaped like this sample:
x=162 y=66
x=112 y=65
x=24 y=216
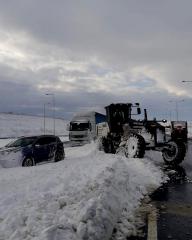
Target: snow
x=12 y=125
x=4 y=142
x=11 y=158
x=81 y=197
x=190 y=129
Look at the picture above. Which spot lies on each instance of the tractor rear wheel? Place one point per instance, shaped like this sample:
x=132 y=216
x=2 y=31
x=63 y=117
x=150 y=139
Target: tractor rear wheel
x=174 y=153
x=108 y=146
x=135 y=146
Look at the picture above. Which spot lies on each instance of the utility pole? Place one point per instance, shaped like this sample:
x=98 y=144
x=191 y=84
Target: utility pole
x=44 y=116
x=176 y=107
x=53 y=100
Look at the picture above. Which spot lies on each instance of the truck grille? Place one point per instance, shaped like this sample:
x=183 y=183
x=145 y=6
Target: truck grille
x=79 y=136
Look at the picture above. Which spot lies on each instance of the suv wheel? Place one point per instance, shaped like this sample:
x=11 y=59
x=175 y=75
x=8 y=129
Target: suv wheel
x=59 y=154
x=28 y=162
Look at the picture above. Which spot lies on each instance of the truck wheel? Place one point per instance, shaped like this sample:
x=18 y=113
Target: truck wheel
x=135 y=146
x=174 y=153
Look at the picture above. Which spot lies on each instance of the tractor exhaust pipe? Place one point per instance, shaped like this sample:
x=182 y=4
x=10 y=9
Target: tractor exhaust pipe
x=145 y=114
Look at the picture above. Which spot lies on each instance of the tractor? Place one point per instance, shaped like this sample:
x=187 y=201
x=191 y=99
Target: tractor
x=132 y=137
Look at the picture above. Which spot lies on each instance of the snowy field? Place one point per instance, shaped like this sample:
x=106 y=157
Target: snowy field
x=12 y=126
x=81 y=197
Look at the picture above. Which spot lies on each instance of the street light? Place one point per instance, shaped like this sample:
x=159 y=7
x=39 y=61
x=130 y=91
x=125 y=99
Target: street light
x=176 y=106
x=53 y=98
x=44 y=116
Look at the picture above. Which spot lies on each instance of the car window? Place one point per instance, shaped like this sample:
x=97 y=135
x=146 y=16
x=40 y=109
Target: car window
x=22 y=142
x=46 y=140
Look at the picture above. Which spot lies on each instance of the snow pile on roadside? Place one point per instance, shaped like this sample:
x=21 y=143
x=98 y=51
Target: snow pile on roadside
x=120 y=190
x=22 y=125
x=81 y=197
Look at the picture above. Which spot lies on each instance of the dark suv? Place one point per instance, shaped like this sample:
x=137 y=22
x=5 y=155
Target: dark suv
x=28 y=151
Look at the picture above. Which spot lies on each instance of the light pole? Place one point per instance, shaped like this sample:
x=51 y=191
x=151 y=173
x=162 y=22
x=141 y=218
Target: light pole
x=186 y=81
x=44 y=116
x=170 y=115
x=53 y=99
x=176 y=107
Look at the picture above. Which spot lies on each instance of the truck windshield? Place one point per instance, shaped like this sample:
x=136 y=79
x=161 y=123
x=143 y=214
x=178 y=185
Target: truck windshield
x=76 y=126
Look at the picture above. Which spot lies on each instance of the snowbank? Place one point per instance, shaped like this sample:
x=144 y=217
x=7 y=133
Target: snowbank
x=81 y=197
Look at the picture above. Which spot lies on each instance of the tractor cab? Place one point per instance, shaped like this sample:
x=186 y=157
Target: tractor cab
x=119 y=114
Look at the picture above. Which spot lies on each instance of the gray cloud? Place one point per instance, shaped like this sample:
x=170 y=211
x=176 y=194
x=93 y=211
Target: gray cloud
x=90 y=53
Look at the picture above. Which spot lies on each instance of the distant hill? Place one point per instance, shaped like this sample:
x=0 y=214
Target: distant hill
x=15 y=125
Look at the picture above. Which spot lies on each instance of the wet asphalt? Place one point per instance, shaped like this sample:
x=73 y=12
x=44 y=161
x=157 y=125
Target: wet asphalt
x=174 y=206
x=174 y=202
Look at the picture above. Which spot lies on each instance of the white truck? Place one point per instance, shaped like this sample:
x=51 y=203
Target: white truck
x=86 y=126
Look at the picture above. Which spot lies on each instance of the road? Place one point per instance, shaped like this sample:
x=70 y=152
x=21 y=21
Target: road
x=170 y=216
x=174 y=203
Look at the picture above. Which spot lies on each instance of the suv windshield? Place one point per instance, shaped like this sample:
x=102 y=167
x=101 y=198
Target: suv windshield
x=22 y=142
x=79 y=126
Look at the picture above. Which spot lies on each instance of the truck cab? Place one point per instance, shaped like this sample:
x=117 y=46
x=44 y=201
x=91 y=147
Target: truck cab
x=80 y=130
x=83 y=126
x=179 y=130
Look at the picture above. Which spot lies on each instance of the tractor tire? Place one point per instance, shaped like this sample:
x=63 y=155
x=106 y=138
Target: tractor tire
x=175 y=153
x=121 y=151
x=108 y=146
x=135 y=146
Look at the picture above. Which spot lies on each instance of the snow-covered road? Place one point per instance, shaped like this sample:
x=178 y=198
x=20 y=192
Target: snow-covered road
x=81 y=197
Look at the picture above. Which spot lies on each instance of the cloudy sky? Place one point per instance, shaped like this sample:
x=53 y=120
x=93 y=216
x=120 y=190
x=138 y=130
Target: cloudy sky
x=90 y=53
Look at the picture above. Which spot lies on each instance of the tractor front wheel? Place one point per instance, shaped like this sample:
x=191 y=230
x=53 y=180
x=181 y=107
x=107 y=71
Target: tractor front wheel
x=135 y=146
x=174 y=153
